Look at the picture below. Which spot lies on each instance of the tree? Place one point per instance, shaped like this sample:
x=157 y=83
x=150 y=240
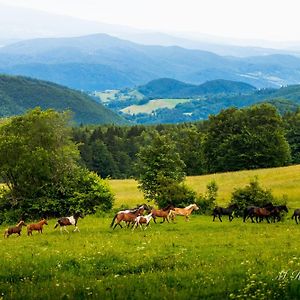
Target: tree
x=39 y=164
x=246 y=139
x=160 y=167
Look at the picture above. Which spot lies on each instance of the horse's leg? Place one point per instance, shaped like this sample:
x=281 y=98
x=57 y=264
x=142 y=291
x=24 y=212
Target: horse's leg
x=297 y=219
x=65 y=229
x=220 y=217
x=163 y=220
x=61 y=230
x=214 y=217
x=268 y=219
x=154 y=219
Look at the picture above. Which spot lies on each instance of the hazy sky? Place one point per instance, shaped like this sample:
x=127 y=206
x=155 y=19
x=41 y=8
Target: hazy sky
x=251 y=19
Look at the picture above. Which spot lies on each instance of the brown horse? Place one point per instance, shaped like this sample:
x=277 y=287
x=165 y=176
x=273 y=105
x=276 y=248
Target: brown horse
x=162 y=213
x=36 y=226
x=262 y=212
x=183 y=211
x=16 y=229
x=127 y=216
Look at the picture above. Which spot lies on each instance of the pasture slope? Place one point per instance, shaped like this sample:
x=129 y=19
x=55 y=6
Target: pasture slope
x=199 y=259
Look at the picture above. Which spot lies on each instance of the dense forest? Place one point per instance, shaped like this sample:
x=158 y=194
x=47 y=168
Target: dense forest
x=235 y=139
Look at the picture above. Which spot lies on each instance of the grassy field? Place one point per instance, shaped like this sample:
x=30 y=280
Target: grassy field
x=282 y=181
x=199 y=259
x=153 y=105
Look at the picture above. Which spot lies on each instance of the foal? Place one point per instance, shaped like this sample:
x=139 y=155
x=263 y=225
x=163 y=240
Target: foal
x=17 y=229
x=142 y=220
x=162 y=213
x=36 y=226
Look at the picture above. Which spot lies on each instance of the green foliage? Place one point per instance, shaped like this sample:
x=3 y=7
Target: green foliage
x=38 y=163
x=207 y=202
x=251 y=194
x=160 y=167
x=19 y=94
x=249 y=138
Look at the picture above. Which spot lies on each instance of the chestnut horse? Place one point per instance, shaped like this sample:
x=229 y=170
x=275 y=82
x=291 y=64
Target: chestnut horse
x=183 y=211
x=36 y=226
x=162 y=213
x=127 y=216
x=16 y=229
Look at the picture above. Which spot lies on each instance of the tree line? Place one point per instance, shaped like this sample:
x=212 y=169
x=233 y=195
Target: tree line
x=235 y=139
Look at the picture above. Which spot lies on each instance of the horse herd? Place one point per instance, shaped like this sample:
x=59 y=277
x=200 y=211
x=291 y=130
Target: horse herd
x=268 y=212
x=135 y=217
x=62 y=222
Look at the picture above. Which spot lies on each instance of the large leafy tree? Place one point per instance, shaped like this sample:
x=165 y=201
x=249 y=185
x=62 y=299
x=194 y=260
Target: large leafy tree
x=160 y=169
x=246 y=139
x=38 y=163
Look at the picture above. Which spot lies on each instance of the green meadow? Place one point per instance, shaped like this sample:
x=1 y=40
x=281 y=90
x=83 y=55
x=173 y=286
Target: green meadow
x=199 y=259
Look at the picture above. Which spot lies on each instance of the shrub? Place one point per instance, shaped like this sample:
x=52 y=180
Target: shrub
x=251 y=194
x=207 y=202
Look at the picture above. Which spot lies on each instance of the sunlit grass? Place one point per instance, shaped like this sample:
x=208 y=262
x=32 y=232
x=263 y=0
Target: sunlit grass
x=282 y=181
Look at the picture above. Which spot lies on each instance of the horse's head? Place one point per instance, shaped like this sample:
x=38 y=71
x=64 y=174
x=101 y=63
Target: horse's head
x=78 y=215
x=21 y=223
x=44 y=222
x=195 y=207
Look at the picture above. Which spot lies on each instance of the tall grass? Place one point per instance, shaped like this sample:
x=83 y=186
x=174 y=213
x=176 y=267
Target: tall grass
x=282 y=181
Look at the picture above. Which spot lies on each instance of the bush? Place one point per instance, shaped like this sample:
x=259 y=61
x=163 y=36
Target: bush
x=177 y=194
x=251 y=194
x=207 y=202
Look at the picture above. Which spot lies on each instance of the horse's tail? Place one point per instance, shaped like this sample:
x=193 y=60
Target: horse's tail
x=113 y=220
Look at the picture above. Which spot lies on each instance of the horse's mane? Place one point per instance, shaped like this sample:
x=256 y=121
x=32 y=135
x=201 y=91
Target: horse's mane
x=191 y=205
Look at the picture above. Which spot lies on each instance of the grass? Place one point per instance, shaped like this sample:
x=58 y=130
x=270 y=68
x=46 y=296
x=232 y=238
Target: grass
x=282 y=181
x=152 y=105
x=199 y=259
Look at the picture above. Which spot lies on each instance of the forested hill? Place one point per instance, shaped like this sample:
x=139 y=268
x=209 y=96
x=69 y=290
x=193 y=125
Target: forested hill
x=18 y=94
x=170 y=88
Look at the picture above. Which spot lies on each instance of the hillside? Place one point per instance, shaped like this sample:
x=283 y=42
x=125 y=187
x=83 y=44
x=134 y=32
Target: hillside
x=199 y=108
x=282 y=181
x=170 y=88
x=99 y=62
x=18 y=94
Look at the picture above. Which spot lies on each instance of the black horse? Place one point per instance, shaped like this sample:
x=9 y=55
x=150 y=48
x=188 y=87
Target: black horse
x=296 y=215
x=276 y=212
x=220 y=211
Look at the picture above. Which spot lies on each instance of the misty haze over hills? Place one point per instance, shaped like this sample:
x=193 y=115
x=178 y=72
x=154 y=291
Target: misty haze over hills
x=23 y=25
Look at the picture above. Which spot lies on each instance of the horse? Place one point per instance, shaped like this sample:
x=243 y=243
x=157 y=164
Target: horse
x=36 y=226
x=183 y=211
x=16 y=229
x=162 y=213
x=220 y=211
x=258 y=212
x=67 y=221
x=139 y=220
x=126 y=216
x=276 y=212
x=296 y=215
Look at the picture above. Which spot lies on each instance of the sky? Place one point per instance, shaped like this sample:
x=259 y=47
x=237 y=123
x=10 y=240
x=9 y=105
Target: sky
x=272 y=20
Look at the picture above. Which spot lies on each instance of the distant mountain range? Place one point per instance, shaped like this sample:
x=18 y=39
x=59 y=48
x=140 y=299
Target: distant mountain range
x=99 y=62
x=19 y=94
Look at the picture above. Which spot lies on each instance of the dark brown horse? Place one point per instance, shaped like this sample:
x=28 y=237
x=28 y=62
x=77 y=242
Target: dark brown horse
x=162 y=213
x=296 y=215
x=36 y=226
x=16 y=229
x=127 y=216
